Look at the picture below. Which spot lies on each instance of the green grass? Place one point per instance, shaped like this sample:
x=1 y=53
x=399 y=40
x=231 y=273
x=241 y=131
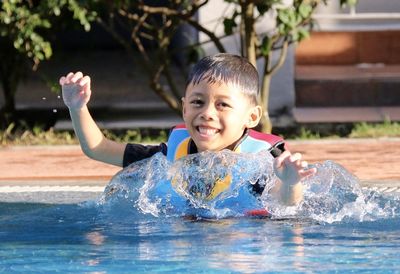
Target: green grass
x=136 y=136
x=306 y=134
x=358 y=130
x=385 y=129
x=38 y=136
x=35 y=136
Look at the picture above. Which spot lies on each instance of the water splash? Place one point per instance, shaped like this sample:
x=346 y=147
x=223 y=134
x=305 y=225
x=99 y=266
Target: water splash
x=335 y=195
x=129 y=189
x=221 y=185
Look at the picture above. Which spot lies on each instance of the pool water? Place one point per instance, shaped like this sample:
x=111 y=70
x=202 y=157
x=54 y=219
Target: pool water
x=81 y=239
x=139 y=226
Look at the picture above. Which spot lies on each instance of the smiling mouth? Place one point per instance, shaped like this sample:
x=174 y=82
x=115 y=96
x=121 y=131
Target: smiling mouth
x=207 y=131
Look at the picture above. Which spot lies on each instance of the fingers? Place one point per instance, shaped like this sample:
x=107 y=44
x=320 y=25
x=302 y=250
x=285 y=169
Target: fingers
x=72 y=78
x=69 y=75
x=307 y=172
x=76 y=77
x=303 y=164
x=83 y=81
x=291 y=169
x=288 y=159
x=280 y=159
x=295 y=159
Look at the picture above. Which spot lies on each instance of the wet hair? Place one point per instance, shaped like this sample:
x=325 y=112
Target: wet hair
x=228 y=69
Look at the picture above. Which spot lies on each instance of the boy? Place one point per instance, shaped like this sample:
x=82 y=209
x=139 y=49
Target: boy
x=219 y=108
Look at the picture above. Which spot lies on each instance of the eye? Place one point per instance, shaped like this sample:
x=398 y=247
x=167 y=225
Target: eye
x=223 y=105
x=196 y=102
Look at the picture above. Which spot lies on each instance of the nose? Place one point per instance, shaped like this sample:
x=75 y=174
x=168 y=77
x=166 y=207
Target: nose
x=208 y=112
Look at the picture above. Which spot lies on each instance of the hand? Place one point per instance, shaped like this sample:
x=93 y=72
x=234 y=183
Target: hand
x=290 y=169
x=75 y=90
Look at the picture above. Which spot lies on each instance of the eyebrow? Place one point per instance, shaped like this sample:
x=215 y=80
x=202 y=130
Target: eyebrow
x=201 y=94
x=196 y=94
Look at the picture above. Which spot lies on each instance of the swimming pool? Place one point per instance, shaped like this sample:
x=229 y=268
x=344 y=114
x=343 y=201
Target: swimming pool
x=78 y=238
x=349 y=230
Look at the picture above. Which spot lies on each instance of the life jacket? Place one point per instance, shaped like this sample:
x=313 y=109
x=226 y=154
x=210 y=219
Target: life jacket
x=179 y=145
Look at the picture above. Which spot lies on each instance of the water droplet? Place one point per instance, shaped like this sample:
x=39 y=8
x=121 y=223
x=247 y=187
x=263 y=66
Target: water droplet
x=58 y=97
x=54 y=110
x=44 y=98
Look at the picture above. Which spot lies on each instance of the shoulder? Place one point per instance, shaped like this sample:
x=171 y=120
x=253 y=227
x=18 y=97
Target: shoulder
x=137 y=152
x=178 y=133
x=276 y=143
x=270 y=138
x=178 y=128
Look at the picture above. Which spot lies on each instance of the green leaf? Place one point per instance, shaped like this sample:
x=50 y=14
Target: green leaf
x=39 y=55
x=283 y=15
x=7 y=20
x=295 y=36
x=195 y=54
x=57 y=11
x=266 y=46
x=265 y=5
x=350 y=3
x=229 y=25
x=282 y=29
x=303 y=34
x=305 y=10
x=289 y=18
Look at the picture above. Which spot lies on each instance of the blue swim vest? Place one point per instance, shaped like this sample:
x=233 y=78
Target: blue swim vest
x=180 y=145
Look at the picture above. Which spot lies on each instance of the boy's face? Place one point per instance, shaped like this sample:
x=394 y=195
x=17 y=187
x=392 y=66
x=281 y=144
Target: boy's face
x=216 y=115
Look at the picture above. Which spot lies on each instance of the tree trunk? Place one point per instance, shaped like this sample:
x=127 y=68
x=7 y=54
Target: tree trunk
x=247 y=32
x=248 y=40
x=269 y=70
x=11 y=69
x=265 y=122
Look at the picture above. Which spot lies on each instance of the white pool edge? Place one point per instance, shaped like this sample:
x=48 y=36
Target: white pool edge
x=54 y=193
x=53 y=188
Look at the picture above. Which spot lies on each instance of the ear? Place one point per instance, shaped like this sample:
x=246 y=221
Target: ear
x=254 y=116
x=183 y=107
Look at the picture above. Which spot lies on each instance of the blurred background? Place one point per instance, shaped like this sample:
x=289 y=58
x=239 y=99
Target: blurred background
x=341 y=60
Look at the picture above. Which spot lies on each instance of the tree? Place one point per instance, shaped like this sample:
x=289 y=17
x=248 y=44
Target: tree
x=23 y=43
x=152 y=27
x=293 y=22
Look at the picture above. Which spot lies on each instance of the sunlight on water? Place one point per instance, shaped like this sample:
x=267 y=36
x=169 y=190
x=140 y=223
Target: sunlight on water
x=335 y=195
x=220 y=185
x=136 y=225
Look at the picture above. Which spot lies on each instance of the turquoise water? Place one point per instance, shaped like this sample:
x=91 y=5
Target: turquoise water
x=131 y=229
x=37 y=238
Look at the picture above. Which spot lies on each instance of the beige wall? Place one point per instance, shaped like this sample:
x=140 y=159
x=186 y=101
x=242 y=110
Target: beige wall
x=345 y=48
x=370 y=35
x=375 y=9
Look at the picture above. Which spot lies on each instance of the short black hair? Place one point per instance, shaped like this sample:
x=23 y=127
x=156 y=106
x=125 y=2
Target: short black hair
x=228 y=69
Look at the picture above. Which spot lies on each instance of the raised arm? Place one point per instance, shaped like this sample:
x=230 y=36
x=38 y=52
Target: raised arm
x=291 y=169
x=76 y=91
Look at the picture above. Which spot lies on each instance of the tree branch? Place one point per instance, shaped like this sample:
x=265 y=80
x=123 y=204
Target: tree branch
x=210 y=34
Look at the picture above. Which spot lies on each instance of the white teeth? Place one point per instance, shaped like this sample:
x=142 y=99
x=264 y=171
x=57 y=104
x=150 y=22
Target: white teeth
x=208 y=131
